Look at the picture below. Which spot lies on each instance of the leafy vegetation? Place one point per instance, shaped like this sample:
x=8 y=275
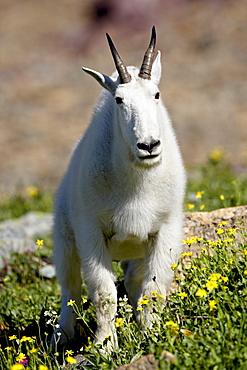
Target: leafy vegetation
x=204 y=323
x=33 y=199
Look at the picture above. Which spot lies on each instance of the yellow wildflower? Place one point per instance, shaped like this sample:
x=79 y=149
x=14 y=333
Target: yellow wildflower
x=71 y=360
x=202 y=207
x=119 y=322
x=245 y=252
x=143 y=302
x=21 y=357
x=189 y=254
x=190 y=206
x=39 y=243
x=160 y=296
x=219 y=231
x=245 y=272
x=223 y=223
x=216 y=155
x=139 y=309
x=32 y=191
x=212 y=305
x=183 y=295
x=228 y=240
x=232 y=231
x=71 y=302
x=174 y=266
x=43 y=367
x=191 y=240
x=211 y=243
x=224 y=278
x=34 y=350
x=174 y=327
x=222 y=197
x=199 y=194
x=108 y=336
x=216 y=276
x=211 y=284
x=201 y=293
x=17 y=367
x=231 y=261
x=8 y=348
x=156 y=295
x=69 y=352
x=170 y=322
x=27 y=339
x=12 y=337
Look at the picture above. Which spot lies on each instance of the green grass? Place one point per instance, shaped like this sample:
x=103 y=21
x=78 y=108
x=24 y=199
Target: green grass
x=204 y=324
x=33 y=199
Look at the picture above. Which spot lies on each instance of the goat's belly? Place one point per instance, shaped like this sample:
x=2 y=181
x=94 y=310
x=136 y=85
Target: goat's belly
x=128 y=248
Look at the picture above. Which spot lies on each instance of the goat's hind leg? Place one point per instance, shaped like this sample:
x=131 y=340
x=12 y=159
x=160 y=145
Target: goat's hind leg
x=68 y=268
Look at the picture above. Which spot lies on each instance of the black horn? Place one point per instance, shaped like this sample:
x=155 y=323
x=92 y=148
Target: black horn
x=146 y=67
x=122 y=70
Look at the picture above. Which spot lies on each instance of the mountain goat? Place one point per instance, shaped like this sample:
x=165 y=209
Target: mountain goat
x=121 y=198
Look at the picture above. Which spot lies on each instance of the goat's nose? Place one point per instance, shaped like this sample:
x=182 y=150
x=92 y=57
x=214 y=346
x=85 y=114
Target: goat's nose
x=148 y=147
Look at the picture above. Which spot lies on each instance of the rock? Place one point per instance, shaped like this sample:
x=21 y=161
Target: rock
x=47 y=271
x=204 y=224
x=147 y=362
x=81 y=363
x=18 y=235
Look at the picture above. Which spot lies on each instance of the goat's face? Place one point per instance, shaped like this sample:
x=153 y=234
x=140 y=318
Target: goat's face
x=137 y=110
x=137 y=104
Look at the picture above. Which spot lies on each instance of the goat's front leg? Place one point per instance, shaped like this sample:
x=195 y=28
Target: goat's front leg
x=152 y=274
x=98 y=275
x=164 y=250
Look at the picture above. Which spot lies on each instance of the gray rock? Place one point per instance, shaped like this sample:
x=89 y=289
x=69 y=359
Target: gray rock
x=47 y=271
x=19 y=235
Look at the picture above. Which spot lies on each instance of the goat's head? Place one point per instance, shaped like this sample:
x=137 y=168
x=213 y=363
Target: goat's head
x=137 y=103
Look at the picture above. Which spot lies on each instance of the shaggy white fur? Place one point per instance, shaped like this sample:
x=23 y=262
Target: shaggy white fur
x=121 y=199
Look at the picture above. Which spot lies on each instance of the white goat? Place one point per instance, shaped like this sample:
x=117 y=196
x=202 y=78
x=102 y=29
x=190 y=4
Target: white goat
x=121 y=198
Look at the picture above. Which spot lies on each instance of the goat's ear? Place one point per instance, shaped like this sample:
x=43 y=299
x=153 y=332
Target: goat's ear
x=156 y=69
x=104 y=80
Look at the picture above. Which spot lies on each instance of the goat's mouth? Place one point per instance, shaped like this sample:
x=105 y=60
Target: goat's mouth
x=148 y=160
x=150 y=156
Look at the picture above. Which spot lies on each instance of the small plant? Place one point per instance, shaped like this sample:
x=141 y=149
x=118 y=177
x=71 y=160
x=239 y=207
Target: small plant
x=215 y=185
x=203 y=324
x=32 y=199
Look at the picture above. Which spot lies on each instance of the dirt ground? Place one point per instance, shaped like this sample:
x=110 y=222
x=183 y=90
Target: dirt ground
x=46 y=100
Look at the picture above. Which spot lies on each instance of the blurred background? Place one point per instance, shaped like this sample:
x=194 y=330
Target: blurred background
x=46 y=100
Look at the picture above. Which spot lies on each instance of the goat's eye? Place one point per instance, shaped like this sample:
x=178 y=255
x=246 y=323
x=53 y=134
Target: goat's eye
x=119 y=100
x=157 y=95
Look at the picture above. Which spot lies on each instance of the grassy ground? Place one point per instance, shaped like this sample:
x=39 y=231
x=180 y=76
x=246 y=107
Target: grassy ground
x=204 y=323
